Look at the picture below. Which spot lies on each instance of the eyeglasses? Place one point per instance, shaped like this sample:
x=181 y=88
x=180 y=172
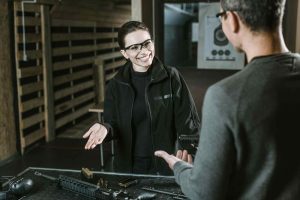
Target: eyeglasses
x=220 y=14
x=136 y=48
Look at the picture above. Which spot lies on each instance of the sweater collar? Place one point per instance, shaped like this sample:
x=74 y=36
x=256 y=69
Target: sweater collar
x=158 y=71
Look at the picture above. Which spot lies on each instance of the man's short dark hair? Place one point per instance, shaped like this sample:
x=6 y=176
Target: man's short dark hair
x=258 y=15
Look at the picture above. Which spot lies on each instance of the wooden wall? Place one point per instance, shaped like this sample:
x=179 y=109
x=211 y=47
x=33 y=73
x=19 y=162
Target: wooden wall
x=7 y=119
x=55 y=65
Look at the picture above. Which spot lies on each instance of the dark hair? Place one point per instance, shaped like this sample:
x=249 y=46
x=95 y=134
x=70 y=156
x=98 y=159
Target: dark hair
x=258 y=15
x=129 y=27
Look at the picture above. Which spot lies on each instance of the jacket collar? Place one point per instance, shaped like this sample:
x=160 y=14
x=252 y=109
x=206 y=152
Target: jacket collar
x=158 y=72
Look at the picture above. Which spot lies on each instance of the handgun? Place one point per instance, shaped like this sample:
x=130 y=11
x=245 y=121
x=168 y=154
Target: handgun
x=189 y=143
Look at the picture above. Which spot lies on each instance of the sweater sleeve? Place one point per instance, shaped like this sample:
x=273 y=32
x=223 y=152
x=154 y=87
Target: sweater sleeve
x=109 y=112
x=209 y=177
x=185 y=112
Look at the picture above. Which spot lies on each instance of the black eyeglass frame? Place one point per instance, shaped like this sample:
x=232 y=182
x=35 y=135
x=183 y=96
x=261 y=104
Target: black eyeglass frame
x=220 y=14
x=142 y=44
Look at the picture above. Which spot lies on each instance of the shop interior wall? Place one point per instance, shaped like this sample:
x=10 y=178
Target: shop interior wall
x=7 y=118
x=291 y=25
x=55 y=50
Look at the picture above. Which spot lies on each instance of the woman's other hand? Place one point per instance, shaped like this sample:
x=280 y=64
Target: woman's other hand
x=96 y=135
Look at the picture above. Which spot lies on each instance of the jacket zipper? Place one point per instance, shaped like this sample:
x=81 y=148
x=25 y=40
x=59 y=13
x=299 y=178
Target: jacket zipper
x=131 y=110
x=150 y=114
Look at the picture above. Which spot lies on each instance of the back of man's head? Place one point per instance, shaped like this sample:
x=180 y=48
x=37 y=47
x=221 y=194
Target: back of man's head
x=258 y=15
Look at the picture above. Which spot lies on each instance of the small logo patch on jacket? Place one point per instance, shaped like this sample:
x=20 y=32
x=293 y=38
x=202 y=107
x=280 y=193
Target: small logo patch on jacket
x=166 y=96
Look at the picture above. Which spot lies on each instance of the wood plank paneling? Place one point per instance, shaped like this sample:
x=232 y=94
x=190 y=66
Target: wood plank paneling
x=7 y=116
x=72 y=63
x=61 y=48
x=30 y=88
x=114 y=65
x=30 y=38
x=111 y=55
x=31 y=54
x=29 y=21
x=48 y=74
x=29 y=71
x=71 y=90
x=82 y=36
x=73 y=23
x=74 y=102
x=32 y=120
x=32 y=71
x=76 y=114
x=71 y=77
x=33 y=137
x=33 y=103
x=82 y=49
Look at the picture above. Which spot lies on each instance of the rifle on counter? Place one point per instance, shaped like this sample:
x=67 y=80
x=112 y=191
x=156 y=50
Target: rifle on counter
x=80 y=187
x=172 y=194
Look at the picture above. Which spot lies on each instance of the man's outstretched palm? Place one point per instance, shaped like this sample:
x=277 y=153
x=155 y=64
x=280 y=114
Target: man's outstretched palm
x=171 y=160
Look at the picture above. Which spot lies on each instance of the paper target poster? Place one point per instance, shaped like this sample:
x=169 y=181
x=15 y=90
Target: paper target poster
x=214 y=49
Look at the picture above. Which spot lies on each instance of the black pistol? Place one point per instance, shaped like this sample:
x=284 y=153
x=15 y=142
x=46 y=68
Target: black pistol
x=189 y=143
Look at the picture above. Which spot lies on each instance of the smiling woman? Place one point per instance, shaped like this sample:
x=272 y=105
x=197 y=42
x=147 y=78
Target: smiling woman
x=139 y=50
x=147 y=106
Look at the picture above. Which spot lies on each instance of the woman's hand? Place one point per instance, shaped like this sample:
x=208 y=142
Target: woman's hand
x=96 y=135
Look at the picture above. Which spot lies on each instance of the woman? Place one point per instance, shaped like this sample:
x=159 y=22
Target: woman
x=147 y=105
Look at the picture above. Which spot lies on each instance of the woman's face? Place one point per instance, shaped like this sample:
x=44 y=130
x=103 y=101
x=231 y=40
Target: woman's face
x=139 y=49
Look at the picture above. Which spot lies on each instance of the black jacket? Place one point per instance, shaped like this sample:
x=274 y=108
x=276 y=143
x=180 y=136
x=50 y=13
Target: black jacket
x=171 y=108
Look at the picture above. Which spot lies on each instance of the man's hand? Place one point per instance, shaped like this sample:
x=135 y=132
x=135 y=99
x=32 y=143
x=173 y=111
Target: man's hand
x=96 y=135
x=171 y=160
x=184 y=156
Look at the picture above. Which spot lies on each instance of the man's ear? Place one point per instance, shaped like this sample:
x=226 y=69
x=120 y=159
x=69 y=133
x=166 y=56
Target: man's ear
x=124 y=54
x=233 y=21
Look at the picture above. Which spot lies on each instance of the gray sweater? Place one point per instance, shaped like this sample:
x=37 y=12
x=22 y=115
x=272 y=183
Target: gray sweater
x=250 y=137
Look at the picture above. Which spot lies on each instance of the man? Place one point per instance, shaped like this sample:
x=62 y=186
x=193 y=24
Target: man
x=250 y=135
